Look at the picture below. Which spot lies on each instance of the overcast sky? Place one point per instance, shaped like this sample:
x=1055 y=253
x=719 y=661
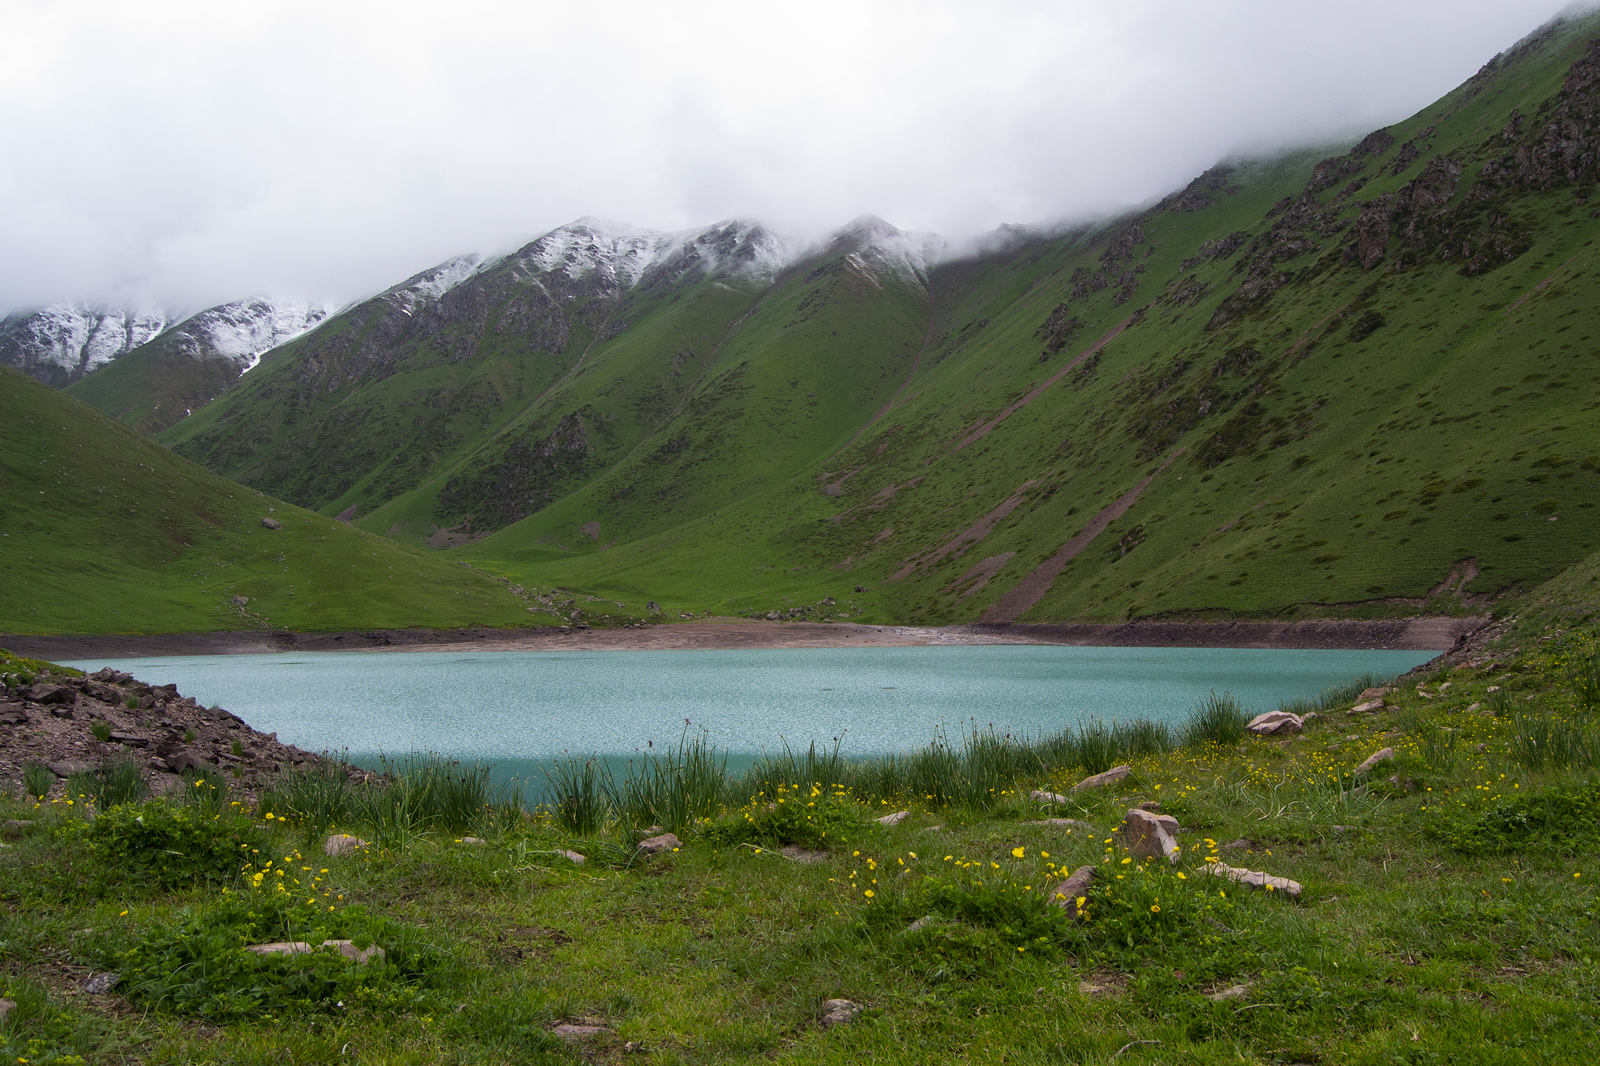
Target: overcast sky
x=192 y=153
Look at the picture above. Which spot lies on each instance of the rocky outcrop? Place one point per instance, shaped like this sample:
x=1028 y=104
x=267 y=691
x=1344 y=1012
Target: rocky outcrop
x=57 y=719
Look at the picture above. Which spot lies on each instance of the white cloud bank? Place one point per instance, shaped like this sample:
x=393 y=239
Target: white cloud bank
x=191 y=153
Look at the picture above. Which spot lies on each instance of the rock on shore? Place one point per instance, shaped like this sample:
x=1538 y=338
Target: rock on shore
x=52 y=717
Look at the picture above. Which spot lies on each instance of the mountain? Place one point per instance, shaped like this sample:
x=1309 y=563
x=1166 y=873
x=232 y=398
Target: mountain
x=1353 y=381
x=158 y=382
x=64 y=342
x=106 y=531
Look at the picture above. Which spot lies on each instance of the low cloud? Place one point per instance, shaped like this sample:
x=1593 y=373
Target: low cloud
x=190 y=153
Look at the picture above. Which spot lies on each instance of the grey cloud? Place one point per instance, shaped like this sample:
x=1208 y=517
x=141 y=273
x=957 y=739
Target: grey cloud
x=189 y=154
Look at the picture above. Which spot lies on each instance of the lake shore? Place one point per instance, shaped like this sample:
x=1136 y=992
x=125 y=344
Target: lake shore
x=1415 y=634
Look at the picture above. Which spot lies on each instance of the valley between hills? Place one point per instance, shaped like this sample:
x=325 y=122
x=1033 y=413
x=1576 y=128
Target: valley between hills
x=1352 y=383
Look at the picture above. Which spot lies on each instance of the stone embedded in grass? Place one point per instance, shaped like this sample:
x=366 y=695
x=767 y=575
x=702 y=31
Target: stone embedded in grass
x=664 y=842
x=6 y=1007
x=1254 y=879
x=1381 y=755
x=894 y=819
x=1046 y=797
x=580 y=1032
x=1068 y=892
x=1275 y=723
x=342 y=844
x=799 y=854
x=1110 y=777
x=838 y=1012
x=271 y=523
x=101 y=983
x=1231 y=992
x=347 y=948
x=1372 y=694
x=1150 y=836
x=473 y=841
x=1068 y=823
x=574 y=856
x=1369 y=707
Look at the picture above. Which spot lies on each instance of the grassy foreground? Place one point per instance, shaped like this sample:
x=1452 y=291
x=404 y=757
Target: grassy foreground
x=1448 y=916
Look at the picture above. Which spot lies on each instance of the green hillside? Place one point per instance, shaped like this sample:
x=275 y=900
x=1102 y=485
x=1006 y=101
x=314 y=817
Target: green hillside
x=106 y=531
x=1352 y=381
x=155 y=385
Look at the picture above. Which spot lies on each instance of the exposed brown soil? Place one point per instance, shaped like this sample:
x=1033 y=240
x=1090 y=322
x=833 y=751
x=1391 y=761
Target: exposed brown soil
x=1421 y=634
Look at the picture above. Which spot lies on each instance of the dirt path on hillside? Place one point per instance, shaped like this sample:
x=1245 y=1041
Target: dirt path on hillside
x=1031 y=589
x=1419 y=634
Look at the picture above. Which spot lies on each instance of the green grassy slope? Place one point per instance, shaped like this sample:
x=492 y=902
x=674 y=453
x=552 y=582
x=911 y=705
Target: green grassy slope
x=106 y=531
x=155 y=385
x=1383 y=385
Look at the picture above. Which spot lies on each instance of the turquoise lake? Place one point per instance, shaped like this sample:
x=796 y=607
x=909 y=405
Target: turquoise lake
x=518 y=709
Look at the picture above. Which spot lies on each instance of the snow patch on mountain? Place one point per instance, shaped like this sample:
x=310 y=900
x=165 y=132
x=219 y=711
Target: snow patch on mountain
x=245 y=330
x=622 y=257
x=879 y=247
x=435 y=281
x=64 y=342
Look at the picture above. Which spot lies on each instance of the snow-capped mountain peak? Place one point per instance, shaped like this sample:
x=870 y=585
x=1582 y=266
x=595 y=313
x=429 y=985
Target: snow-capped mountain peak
x=242 y=331
x=63 y=342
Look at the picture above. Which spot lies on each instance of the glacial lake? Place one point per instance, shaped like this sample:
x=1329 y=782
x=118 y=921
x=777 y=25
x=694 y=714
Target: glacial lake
x=519 y=709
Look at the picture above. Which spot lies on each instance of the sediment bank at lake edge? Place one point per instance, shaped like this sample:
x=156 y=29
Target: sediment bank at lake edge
x=1416 y=634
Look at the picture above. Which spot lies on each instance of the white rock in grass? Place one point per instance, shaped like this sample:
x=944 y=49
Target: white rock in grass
x=101 y=983
x=574 y=856
x=1069 y=824
x=580 y=1032
x=1381 y=755
x=342 y=844
x=1254 y=879
x=473 y=841
x=894 y=819
x=1150 y=836
x=1232 y=992
x=838 y=1012
x=1369 y=707
x=1110 y=777
x=6 y=1007
x=1275 y=723
x=1046 y=797
x=347 y=948
x=664 y=842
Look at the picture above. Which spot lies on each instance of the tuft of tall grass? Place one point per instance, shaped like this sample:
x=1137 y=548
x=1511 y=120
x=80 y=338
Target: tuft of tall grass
x=1544 y=741
x=578 y=791
x=1583 y=676
x=117 y=780
x=675 y=788
x=1216 y=720
x=37 y=779
x=205 y=791
x=316 y=797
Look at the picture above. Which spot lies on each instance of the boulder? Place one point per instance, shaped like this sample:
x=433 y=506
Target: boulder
x=1254 y=879
x=342 y=844
x=894 y=819
x=12 y=714
x=68 y=767
x=101 y=983
x=838 y=1012
x=1372 y=694
x=1381 y=755
x=103 y=693
x=664 y=842
x=1307 y=719
x=1368 y=707
x=1275 y=723
x=61 y=710
x=1110 y=777
x=271 y=523
x=1046 y=797
x=129 y=740
x=1149 y=835
x=46 y=693
x=1068 y=892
